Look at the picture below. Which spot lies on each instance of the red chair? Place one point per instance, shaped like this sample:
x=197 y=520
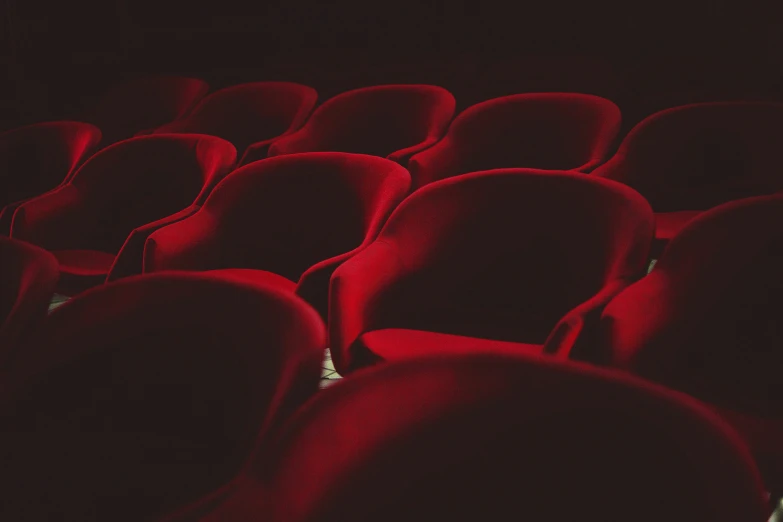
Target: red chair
x=143 y=104
x=510 y=261
x=552 y=131
x=97 y=222
x=37 y=158
x=706 y=320
x=251 y=115
x=392 y=121
x=155 y=389
x=27 y=282
x=298 y=217
x=691 y=158
x=493 y=438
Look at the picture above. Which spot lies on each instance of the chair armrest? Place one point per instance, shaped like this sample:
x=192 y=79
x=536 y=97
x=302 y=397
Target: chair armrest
x=577 y=324
x=403 y=155
x=187 y=244
x=313 y=285
x=355 y=292
x=440 y=161
x=129 y=261
x=257 y=151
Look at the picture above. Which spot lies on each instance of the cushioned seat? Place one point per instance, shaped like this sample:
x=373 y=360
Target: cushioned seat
x=297 y=215
x=262 y=277
x=694 y=157
x=707 y=319
x=487 y=437
x=126 y=190
x=398 y=343
x=510 y=258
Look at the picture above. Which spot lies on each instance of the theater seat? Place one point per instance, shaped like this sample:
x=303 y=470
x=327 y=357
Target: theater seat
x=518 y=256
x=38 y=158
x=486 y=437
x=551 y=131
x=392 y=121
x=100 y=218
x=27 y=282
x=688 y=159
x=250 y=115
x=143 y=104
x=296 y=216
x=154 y=390
x=706 y=320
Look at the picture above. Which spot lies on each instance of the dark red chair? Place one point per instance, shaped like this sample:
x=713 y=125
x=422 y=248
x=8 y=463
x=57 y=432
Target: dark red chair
x=552 y=131
x=510 y=261
x=154 y=390
x=691 y=158
x=97 y=222
x=251 y=115
x=297 y=216
x=494 y=438
x=27 y=282
x=143 y=104
x=392 y=121
x=707 y=320
x=38 y=158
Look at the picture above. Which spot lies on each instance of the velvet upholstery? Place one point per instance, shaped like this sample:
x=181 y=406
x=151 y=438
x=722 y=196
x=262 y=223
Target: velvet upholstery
x=493 y=438
x=38 y=158
x=147 y=393
x=298 y=216
x=392 y=121
x=688 y=159
x=250 y=115
x=143 y=104
x=515 y=255
x=552 y=131
x=27 y=281
x=132 y=186
x=706 y=320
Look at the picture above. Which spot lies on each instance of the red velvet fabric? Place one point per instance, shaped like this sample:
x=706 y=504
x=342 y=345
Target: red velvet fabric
x=553 y=131
x=27 y=282
x=120 y=189
x=516 y=255
x=706 y=320
x=37 y=158
x=495 y=438
x=250 y=115
x=145 y=394
x=393 y=121
x=297 y=216
x=144 y=104
x=694 y=157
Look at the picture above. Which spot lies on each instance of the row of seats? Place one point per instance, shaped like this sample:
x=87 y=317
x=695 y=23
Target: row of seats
x=509 y=261
x=192 y=396
x=683 y=161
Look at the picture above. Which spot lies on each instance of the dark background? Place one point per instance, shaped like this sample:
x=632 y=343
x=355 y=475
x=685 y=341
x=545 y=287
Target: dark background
x=58 y=54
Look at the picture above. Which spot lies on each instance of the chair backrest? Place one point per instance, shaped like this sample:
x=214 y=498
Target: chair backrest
x=694 y=157
x=248 y=113
x=285 y=214
x=554 y=131
x=707 y=318
x=511 y=251
x=490 y=438
x=37 y=158
x=27 y=282
x=144 y=103
x=160 y=385
x=377 y=120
